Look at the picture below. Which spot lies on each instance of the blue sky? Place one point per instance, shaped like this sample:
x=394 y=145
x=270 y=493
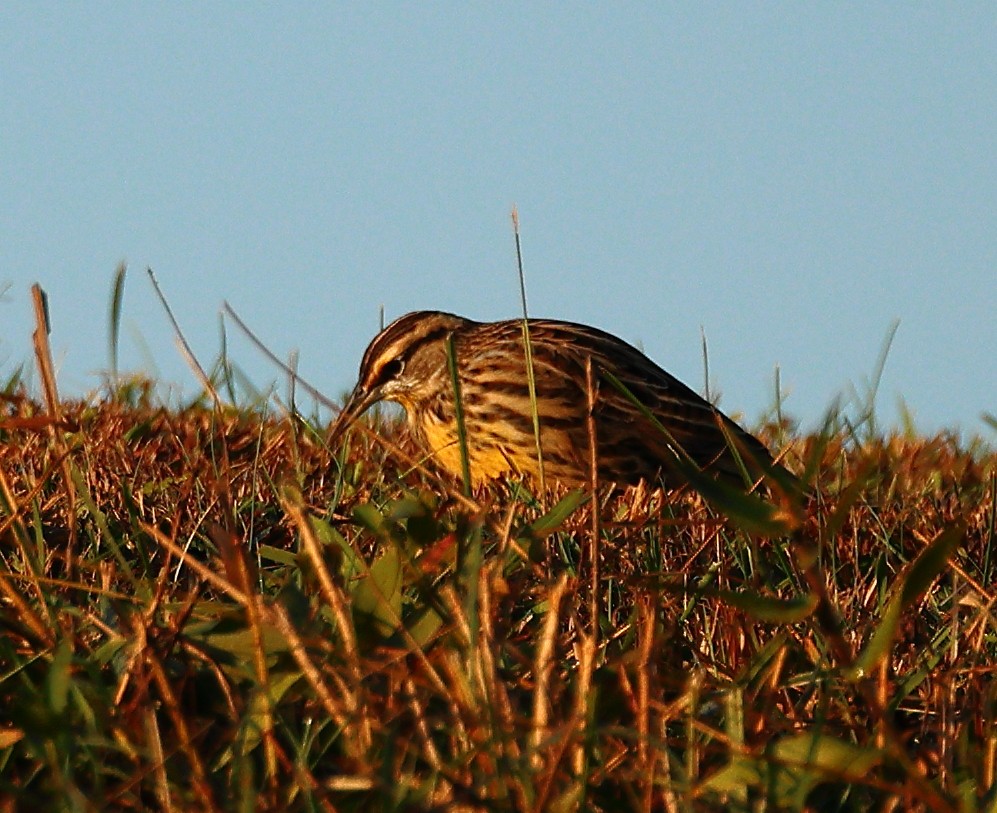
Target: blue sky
x=792 y=178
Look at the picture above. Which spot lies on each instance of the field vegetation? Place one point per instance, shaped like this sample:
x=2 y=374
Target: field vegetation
x=204 y=607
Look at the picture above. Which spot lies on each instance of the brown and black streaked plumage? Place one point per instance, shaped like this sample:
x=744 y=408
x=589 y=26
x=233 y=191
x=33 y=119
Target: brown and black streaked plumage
x=407 y=363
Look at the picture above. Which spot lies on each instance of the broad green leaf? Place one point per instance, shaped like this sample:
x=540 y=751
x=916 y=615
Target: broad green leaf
x=810 y=760
x=368 y=516
x=556 y=516
x=232 y=637
x=138 y=431
x=281 y=556
x=378 y=595
x=914 y=581
x=59 y=675
x=352 y=564
x=424 y=626
x=570 y=800
x=296 y=603
x=769 y=608
x=253 y=723
x=792 y=767
x=405 y=508
x=748 y=511
x=113 y=649
x=930 y=562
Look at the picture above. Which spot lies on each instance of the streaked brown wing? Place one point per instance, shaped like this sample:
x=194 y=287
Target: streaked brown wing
x=629 y=442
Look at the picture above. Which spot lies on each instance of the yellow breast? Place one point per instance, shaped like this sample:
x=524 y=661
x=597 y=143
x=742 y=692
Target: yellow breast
x=487 y=461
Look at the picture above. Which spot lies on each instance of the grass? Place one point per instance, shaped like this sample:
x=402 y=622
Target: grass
x=204 y=607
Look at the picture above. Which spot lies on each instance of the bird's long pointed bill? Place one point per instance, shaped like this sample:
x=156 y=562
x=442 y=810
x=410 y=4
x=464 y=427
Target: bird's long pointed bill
x=355 y=406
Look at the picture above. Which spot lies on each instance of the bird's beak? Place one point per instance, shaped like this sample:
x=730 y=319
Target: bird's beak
x=360 y=401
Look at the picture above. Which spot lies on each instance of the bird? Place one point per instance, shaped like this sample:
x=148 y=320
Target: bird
x=649 y=426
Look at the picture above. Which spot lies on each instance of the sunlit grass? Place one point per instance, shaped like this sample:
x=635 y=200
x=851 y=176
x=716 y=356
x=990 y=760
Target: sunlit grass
x=202 y=606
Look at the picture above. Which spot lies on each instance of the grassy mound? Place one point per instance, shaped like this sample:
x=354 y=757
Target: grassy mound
x=205 y=608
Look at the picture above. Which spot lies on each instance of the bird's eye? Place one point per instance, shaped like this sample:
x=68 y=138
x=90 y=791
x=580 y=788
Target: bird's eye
x=392 y=369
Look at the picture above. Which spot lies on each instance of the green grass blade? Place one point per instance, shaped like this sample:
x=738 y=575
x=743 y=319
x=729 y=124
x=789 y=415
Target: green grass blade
x=770 y=609
x=465 y=462
x=114 y=318
x=918 y=578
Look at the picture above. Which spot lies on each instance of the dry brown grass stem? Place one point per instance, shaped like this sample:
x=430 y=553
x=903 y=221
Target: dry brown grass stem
x=595 y=604
x=234 y=559
x=646 y=634
x=542 y=667
x=586 y=650
x=202 y=570
x=342 y=716
x=151 y=662
x=46 y=371
x=334 y=597
x=154 y=741
x=183 y=345
x=23 y=608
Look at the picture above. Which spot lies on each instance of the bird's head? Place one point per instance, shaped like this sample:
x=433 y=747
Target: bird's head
x=403 y=363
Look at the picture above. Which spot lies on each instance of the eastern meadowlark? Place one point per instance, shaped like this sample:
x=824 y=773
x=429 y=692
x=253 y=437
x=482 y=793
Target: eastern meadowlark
x=408 y=363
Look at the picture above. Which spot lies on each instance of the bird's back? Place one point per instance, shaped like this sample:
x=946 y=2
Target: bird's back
x=631 y=447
